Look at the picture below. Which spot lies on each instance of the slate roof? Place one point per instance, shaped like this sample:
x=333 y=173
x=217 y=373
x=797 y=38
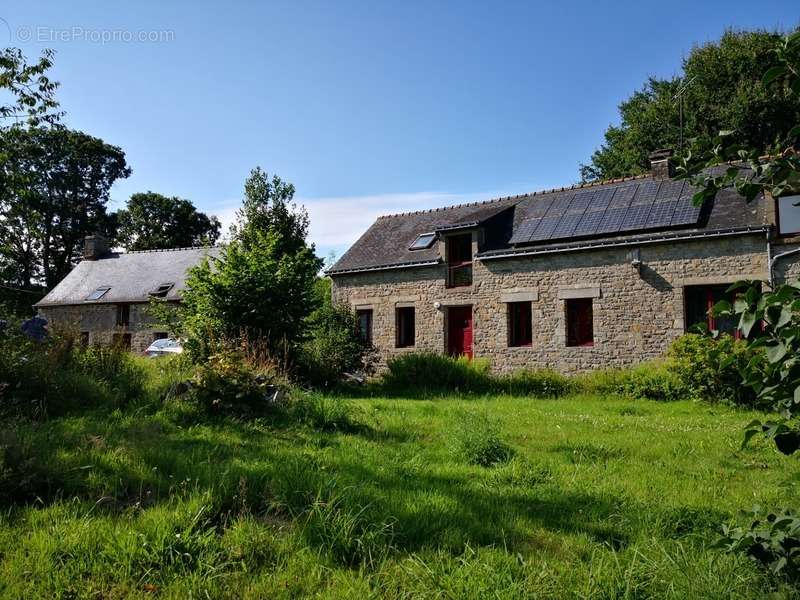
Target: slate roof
x=131 y=276
x=627 y=209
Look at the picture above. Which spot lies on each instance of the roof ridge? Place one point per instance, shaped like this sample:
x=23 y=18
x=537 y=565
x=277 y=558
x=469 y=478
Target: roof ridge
x=576 y=186
x=172 y=249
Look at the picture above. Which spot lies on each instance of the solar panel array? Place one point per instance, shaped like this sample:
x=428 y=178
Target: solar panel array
x=633 y=206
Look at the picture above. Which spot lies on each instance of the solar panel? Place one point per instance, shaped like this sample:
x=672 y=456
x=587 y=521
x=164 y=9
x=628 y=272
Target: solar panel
x=524 y=231
x=685 y=213
x=560 y=204
x=589 y=223
x=601 y=199
x=535 y=206
x=612 y=220
x=640 y=205
x=661 y=213
x=581 y=202
x=645 y=193
x=670 y=190
x=545 y=229
x=635 y=217
x=622 y=196
x=566 y=226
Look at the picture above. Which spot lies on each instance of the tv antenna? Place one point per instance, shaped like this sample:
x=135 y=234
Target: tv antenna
x=679 y=97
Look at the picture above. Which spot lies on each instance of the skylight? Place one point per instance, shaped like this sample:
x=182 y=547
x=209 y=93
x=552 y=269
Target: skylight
x=162 y=290
x=423 y=241
x=98 y=293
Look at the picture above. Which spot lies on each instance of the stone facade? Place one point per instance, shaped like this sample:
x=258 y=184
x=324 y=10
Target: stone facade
x=637 y=310
x=98 y=322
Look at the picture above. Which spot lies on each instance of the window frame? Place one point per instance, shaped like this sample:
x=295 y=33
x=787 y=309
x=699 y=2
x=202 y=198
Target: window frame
x=405 y=327
x=368 y=313
x=458 y=263
x=123 y=315
x=708 y=291
x=100 y=292
x=121 y=341
x=519 y=320
x=796 y=198
x=572 y=309
x=161 y=290
x=412 y=247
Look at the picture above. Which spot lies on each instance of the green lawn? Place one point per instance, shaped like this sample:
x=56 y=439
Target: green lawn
x=603 y=498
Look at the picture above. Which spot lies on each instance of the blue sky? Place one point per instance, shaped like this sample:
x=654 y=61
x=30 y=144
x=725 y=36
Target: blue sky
x=367 y=107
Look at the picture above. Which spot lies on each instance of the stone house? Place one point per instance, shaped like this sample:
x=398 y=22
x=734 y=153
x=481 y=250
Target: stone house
x=106 y=296
x=596 y=275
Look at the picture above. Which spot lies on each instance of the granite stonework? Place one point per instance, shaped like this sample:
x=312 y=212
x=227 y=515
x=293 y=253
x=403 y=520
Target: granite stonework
x=99 y=321
x=638 y=311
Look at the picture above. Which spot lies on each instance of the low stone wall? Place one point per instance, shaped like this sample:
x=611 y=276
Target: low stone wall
x=637 y=312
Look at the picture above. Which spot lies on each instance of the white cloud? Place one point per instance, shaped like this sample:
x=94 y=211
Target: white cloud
x=337 y=222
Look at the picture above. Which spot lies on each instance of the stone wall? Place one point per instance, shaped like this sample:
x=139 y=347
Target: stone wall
x=99 y=320
x=637 y=312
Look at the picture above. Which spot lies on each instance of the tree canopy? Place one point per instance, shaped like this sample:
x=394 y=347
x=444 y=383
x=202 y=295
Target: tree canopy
x=262 y=286
x=721 y=90
x=151 y=221
x=54 y=187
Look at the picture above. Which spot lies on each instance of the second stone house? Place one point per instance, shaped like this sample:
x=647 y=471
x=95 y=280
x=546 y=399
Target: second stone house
x=604 y=274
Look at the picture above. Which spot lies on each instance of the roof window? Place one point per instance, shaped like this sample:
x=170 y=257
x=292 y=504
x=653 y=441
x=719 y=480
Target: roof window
x=98 y=293
x=161 y=290
x=423 y=241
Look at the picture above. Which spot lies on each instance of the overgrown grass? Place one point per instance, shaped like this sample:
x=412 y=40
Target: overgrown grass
x=584 y=496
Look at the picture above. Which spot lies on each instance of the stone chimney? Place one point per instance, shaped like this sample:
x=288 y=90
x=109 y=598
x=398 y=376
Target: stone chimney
x=661 y=164
x=94 y=247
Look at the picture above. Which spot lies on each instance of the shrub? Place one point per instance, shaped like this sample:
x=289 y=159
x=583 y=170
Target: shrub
x=772 y=540
x=709 y=368
x=226 y=383
x=477 y=441
x=432 y=372
x=651 y=381
x=334 y=346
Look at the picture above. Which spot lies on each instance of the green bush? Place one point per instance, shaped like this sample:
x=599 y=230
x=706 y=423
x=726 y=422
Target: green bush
x=432 y=372
x=709 y=368
x=333 y=347
x=227 y=383
x=650 y=381
x=771 y=540
x=476 y=440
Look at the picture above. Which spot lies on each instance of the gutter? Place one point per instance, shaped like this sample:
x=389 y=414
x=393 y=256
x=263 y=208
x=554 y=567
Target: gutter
x=430 y=263
x=775 y=258
x=626 y=243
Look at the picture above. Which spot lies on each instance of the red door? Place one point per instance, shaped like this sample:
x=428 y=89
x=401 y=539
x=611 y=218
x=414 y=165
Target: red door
x=459 y=331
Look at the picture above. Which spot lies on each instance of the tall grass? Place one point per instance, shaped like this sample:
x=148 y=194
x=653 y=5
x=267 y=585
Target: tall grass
x=426 y=373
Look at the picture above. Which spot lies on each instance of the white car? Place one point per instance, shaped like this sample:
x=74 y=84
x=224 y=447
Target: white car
x=164 y=347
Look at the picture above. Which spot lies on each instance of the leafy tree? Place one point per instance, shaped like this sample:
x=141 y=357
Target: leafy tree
x=262 y=285
x=31 y=91
x=771 y=317
x=151 y=221
x=55 y=187
x=776 y=380
x=721 y=90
